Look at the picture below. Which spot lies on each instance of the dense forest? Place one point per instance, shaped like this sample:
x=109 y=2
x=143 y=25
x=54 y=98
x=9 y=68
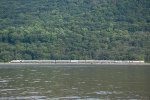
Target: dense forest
x=75 y=29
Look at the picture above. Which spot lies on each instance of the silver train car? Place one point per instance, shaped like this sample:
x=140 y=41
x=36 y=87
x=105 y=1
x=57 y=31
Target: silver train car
x=77 y=61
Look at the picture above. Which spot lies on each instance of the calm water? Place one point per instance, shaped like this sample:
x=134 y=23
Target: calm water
x=99 y=82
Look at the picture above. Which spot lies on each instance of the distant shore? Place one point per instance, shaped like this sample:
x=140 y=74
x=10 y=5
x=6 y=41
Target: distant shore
x=73 y=62
x=1 y=63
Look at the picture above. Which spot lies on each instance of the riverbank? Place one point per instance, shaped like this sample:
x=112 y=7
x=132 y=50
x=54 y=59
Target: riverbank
x=72 y=62
x=76 y=64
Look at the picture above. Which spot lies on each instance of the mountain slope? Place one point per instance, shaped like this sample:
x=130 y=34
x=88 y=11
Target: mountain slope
x=74 y=29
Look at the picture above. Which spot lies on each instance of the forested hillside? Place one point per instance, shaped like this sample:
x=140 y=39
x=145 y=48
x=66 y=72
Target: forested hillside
x=75 y=29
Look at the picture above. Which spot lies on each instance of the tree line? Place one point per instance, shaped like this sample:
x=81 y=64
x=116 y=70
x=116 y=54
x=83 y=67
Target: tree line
x=74 y=29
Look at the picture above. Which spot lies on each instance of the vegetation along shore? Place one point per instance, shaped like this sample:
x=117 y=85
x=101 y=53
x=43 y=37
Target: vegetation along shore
x=74 y=29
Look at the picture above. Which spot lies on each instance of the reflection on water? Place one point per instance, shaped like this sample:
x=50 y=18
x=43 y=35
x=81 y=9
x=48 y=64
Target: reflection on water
x=75 y=83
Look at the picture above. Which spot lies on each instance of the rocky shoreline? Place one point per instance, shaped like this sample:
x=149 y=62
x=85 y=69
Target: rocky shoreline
x=74 y=62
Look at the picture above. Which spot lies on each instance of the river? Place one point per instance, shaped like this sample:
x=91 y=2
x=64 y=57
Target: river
x=74 y=82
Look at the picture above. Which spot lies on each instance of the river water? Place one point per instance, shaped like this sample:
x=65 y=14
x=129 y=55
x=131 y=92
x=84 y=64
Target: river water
x=72 y=82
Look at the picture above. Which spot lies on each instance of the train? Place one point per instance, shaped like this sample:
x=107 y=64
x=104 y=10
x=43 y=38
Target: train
x=76 y=61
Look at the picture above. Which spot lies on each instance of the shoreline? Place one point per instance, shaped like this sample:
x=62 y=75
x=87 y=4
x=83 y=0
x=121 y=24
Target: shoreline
x=7 y=63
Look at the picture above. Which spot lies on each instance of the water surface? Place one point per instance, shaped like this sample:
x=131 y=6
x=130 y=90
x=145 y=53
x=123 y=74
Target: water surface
x=66 y=82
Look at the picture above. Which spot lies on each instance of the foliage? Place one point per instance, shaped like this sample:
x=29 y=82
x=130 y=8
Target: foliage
x=74 y=29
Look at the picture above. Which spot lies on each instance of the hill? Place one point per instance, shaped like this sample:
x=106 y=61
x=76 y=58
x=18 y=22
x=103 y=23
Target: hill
x=75 y=29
